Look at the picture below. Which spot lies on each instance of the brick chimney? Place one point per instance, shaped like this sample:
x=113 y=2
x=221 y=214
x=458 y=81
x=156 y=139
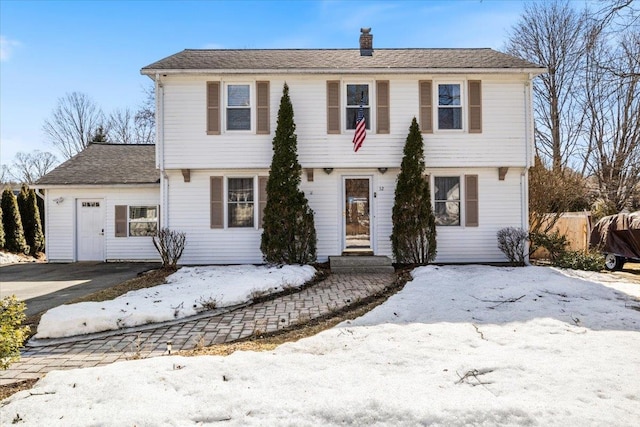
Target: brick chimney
x=366 y=42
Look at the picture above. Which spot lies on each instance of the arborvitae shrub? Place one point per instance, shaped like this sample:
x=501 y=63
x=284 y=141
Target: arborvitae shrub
x=2 y=238
x=413 y=238
x=14 y=233
x=289 y=234
x=30 y=215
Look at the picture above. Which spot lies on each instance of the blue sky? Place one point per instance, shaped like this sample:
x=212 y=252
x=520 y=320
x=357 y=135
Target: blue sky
x=51 y=48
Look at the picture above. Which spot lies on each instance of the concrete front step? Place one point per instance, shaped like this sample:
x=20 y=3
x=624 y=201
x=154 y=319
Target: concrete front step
x=360 y=264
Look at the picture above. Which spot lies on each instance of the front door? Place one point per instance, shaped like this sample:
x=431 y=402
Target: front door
x=357 y=213
x=90 y=229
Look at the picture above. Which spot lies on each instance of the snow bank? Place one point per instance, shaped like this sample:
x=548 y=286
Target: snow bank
x=187 y=292
x=460 y=345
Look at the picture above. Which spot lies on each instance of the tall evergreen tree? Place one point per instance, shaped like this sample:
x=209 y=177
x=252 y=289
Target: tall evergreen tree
x=2 y=239
x=413 y=237
x=14 y=233
x=289 y=235
x=30 y=215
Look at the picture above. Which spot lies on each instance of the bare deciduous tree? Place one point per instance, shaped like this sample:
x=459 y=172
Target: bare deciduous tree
x=126 y=127
x=27 y=168
x=73 y=123
x=552 y=34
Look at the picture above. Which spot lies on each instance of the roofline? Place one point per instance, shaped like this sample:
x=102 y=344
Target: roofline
x=85 y=185
x=151 y=72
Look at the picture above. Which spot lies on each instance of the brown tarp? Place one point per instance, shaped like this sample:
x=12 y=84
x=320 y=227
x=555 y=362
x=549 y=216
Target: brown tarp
x=618 y=234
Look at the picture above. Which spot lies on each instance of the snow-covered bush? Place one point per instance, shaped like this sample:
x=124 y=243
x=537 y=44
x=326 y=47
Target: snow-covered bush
x=512 y=242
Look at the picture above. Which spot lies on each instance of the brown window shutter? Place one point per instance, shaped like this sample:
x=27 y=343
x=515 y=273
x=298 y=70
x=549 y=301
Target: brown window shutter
x=382 y=104
x=262 y=198
x=213 y=108
x=426 y=109
x=121 y=221
x=471 y=200
x=217 y=202
x=475 y=106
x=262 y=107
x=333 y=106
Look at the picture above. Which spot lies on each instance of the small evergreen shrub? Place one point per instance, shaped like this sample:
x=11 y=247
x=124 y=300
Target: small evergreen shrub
x=555 y=243
x=14 y=233
x=2 y=238
x=578 y=260
x=12 y=334
x=170 y=245
x=512 y=242
x=30 y=215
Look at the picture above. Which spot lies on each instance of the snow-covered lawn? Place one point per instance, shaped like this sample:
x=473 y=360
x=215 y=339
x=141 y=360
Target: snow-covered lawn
x=460 y=345
x=188 y=291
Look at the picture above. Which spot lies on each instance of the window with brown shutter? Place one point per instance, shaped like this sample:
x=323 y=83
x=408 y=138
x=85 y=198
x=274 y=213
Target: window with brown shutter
x=262 y=107
x=471 y=200
x=382 y=105
x=262 y=198
x=217 y=202
x=426 y=110
x=475 y=106
x=121 y=221
x=333 y=107
x=213 y=108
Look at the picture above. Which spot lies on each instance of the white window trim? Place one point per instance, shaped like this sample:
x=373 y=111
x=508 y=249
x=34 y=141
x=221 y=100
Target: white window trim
x=461 y=200
x=142 y=206
x=463 y=105
x=371 y=129
x=252 y=106
x=256 y=204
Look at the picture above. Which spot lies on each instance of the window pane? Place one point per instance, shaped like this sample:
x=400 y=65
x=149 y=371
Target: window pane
x=352 y=115
x=143 y=212
x=450 y=118
x=143 y=228
x=238 y=95
x=357 y=94
x=240 y=202
x=238 y=119
x=143 y=220
x=447 y=200
x=448 y=94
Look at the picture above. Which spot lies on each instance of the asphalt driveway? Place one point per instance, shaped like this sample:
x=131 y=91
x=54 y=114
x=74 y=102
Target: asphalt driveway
x=44 y=286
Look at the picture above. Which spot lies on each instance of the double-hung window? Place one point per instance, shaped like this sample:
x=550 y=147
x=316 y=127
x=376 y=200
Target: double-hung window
x=449 y=106
x=240 y=202
x=238 y=106
x=143 y=220
x=357 y=95
x=447 y=200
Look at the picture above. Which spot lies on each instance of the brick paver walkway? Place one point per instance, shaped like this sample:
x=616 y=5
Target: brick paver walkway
x=334 y=293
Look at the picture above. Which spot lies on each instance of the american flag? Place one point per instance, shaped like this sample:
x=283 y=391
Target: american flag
x=361 y=130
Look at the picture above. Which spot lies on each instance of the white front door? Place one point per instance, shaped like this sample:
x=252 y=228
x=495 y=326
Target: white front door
x=357 y=214
x=90 y=229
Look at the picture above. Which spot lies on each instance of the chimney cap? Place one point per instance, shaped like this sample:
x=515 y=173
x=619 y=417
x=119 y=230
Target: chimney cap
x=366 y=30
x=366 y=42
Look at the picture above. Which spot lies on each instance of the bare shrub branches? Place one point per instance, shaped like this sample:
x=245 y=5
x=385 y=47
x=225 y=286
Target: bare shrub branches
x=170 y=245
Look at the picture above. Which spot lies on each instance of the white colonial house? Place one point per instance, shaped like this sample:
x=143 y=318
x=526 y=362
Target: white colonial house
x=216 y=117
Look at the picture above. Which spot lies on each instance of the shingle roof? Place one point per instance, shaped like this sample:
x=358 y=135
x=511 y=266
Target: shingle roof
x=327 y=60
x=100 y=164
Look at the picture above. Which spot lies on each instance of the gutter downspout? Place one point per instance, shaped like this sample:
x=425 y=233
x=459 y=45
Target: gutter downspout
x=524 y=176
x=164 y=178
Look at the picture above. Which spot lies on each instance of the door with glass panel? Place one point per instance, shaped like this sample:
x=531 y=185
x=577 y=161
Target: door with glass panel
x=357 y=214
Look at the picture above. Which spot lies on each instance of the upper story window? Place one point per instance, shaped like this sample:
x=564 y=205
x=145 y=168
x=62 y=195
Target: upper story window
x=449 y=106
x=357 y=94
x=238 y=105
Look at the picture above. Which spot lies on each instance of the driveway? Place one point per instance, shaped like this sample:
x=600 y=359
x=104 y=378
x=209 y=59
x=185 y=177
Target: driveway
x=44 y=286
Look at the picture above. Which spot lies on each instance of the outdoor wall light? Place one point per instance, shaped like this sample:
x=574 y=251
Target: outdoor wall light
x=59 y=200
x=328 y=170
x=383 y=170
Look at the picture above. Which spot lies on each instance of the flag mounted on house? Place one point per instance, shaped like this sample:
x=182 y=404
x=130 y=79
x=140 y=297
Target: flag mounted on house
x=361 y=129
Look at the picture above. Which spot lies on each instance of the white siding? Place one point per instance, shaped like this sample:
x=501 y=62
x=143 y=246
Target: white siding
x=61 y=231
x=502 y=142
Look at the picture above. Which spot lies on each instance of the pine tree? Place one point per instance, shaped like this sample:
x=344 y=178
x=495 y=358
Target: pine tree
x=289 y=235
x=30 y=215
x=413 y=238
x=2 y=239
x=14 y=233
